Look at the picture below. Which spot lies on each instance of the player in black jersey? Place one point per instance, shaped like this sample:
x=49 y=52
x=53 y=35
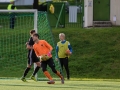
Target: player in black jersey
x=32 y=58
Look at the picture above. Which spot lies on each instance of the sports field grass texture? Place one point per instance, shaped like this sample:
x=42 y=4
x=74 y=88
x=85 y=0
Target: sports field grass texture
x=87 y=84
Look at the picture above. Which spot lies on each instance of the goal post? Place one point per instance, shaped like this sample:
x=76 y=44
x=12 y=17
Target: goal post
x=13 y=39
x=25 y=11
x=13 y=53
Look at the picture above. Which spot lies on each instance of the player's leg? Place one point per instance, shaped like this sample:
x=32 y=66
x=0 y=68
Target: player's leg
x=26 y=72
x=28 y=67
x=13 y=22
x=37 y=62
x=10 y=21
x=46 y=73
x=65 y=63
x=52 y=66
x=61 y=63
x=37 y=68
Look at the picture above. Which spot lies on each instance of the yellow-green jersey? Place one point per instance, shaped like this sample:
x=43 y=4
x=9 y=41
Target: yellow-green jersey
x=11 y=7
x=61 y=48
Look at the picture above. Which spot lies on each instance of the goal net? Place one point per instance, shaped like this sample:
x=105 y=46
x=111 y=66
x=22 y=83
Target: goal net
x=14 y=33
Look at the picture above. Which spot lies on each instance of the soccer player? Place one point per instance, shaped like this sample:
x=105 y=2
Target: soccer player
x=42 y=47
x=11 y=6
x=32 y=58
x=61 y=48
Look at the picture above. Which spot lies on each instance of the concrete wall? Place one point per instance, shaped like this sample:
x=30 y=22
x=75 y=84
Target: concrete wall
x=88 y=13
x=115 y=10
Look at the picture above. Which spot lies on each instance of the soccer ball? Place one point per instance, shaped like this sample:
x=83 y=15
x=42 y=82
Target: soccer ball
x=44 y=57
x=68 y=52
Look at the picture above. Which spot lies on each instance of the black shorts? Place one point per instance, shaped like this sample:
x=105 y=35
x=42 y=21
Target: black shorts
x=32 y=58
x=49 y=62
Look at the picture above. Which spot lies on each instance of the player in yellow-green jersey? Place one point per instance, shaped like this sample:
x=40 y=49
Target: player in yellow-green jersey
x=11 y=6
x=61 y=48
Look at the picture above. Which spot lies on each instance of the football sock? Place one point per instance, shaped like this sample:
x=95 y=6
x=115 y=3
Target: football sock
x=36 y=70
x=58 y=73
x=26 y=71
x=48 y=75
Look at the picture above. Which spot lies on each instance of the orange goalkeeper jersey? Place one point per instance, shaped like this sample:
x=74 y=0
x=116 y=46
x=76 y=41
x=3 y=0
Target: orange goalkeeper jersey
x=42 y=47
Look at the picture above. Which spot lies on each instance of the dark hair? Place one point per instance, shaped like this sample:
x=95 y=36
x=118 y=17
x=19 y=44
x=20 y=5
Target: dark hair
x=32 y=31
x=37 y=35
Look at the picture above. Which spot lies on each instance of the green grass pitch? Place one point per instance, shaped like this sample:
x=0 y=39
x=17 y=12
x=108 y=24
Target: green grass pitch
x=87 y=84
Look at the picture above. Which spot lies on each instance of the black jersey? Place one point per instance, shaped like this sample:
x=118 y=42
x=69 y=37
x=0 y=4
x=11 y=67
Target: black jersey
x=31 y=43
x=32 y=58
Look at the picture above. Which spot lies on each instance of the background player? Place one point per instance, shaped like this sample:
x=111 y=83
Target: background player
x=32 y=58
x=61 y=48
x=11 y=6
x=42 y=47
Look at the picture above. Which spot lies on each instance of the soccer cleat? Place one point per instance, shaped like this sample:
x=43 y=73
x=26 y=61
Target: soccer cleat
x=23 y=79
x=33 y=78
x=51 y=82
x=62 y=80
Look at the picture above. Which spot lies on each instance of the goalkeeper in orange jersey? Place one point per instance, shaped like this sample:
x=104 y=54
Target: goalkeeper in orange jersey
x=42 y=47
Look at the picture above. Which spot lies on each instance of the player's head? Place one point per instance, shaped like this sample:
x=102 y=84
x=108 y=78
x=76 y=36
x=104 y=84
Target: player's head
x=32 y=32
x=35 y=37
x=62 y=36
x=12 y=1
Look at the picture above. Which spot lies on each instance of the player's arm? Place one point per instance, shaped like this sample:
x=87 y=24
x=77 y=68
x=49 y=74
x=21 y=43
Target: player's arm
x=15 y=8
x=70 y=48
x=36 y=51
x=29 y=47
x=48 y=46
x=29 y=44
x=57 y=48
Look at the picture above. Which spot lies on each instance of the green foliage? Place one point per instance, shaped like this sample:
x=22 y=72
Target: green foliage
x=96 y=52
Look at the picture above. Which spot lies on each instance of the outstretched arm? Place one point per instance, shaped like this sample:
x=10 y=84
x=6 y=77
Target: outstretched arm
x=48 y=46
x=36 y=52
x=70 y=48
x=57 y=48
